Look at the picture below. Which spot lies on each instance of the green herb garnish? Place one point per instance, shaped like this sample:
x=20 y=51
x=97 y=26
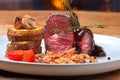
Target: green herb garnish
x=74 y=18
x=62 y=30
x=93 y=26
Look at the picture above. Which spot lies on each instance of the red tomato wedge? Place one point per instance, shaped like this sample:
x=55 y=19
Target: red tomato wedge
x=21 y=55
x=15 y=55
x=29 y=56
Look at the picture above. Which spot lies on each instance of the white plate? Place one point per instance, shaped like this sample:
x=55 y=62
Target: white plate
x=111 y=46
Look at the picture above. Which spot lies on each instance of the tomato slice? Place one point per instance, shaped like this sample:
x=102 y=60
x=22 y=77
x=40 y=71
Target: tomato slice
x=21 y=55
x=15 y=55
x=29 y=56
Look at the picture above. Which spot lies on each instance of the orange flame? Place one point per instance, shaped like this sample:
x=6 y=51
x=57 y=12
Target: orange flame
x=57 y=4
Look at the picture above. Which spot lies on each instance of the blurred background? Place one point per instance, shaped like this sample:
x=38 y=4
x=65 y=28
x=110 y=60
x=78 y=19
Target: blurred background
x=90 y=5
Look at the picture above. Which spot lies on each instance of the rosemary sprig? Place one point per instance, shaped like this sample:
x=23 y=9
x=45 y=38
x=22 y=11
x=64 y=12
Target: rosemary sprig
x=62 y=30
x=74 y=18
x=81 y=27
x=93 y=26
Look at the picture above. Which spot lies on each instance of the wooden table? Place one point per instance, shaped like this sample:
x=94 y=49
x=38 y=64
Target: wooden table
x=109 y=19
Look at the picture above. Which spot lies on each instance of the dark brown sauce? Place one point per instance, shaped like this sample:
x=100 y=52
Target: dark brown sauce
x=98 y=51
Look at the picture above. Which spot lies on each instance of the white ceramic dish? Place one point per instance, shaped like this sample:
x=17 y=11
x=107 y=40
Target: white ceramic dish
x=111 y=46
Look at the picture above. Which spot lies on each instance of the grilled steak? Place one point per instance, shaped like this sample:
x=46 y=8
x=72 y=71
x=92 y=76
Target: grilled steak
x=84 y=42
x=57 y=38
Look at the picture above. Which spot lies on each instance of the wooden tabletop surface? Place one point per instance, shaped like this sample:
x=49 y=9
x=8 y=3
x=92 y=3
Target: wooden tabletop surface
x=111 y=21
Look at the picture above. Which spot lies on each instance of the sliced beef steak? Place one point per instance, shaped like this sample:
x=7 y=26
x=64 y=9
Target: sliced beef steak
x=56 y=38
x=60 y=42
x=84 y=41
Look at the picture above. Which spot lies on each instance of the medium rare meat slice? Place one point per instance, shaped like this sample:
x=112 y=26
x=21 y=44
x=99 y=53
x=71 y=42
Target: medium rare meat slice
x=84 y=41
x=60 y=42
x=57 y=21
x=57 y=38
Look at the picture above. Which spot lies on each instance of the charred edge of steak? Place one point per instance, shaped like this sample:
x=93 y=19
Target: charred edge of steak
x=81 y=44
x=58 y=13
